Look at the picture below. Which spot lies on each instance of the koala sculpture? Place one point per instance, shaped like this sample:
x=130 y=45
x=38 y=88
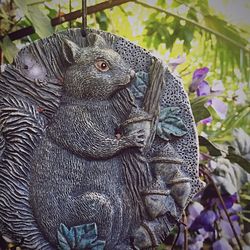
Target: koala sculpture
x=82 y=162
x=77 y=174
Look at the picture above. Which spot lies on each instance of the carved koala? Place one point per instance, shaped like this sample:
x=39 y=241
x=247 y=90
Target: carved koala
x=77 y=174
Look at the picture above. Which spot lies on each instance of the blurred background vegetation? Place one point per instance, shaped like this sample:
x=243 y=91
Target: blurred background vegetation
x=189 y=35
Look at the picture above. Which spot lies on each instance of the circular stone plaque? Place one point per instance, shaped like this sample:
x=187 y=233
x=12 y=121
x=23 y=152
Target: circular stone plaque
x=73 y=170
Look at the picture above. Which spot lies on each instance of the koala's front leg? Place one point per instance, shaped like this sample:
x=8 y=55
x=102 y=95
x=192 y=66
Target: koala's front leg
x=99 y=145
x=85 y=139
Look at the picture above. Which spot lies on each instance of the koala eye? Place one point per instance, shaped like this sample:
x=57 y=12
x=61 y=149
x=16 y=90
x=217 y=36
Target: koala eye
x=102 y=65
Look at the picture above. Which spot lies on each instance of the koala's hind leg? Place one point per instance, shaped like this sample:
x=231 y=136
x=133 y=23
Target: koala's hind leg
x=93 y=207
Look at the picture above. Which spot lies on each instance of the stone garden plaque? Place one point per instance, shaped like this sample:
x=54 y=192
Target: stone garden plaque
x=98 y=148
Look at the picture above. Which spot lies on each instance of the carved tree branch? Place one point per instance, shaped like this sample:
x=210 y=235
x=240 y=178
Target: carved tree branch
x=152 y=96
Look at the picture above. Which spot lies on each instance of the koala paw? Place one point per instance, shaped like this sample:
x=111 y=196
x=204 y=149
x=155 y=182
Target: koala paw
x=136 y=139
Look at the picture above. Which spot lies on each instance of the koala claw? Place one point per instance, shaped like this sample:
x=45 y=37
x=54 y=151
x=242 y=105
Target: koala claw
x=136 y=138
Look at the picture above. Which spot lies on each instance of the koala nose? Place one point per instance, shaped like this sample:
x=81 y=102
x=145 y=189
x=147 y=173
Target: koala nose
x=132 y=74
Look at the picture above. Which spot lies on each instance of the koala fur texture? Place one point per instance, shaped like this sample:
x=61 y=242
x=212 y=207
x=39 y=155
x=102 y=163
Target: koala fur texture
x=77 y=176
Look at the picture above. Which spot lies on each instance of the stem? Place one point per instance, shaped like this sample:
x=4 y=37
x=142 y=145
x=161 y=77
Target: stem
x=1 y=57
x=177 y=236
x=184 y=218
x=224 y=207
x=70 y=10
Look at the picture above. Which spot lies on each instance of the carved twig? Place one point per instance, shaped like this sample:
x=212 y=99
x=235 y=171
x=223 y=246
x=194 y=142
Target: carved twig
x=153 y=93
x=151 y=102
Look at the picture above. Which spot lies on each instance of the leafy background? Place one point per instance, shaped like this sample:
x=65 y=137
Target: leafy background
x=190 y=36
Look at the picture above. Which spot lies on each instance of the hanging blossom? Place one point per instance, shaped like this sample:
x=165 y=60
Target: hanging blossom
x=222 y=244
x=240 y=95
x=174 y=62
x=202 y=217
x=202 y=88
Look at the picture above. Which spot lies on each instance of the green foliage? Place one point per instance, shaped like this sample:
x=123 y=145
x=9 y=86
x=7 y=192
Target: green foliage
x=211 y=147
x=200 y=112
x=9 y=49
x=236 y=158
x=166 y=30
x=102 y=20
x=227 y=41
x=37 y=18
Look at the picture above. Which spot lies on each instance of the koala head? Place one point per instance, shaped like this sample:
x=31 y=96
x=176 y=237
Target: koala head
x=95 y=72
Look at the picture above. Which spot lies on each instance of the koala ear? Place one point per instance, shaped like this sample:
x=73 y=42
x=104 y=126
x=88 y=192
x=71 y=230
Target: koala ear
x=71 y=51
x=95 y=40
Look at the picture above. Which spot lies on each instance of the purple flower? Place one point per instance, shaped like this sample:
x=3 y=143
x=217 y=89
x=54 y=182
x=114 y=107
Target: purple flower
x=241 y=97
x=220 y=107
x=196 y=246
x=198 y=76
x=194 y=211
x=222 y=244
x=235 y=208
x=227 y=231
x=207 y=120
x=205 y=234
x=204 y=220
x=217 y=87
x=229 y=200
x=203 y=89
x=232 y=211
x=174 y=62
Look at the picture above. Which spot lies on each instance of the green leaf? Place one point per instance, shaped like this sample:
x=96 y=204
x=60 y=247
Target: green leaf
x=244 y=218
x=245 y=197
x=162 y=3
x=33 y=2
x=241 y=143
x=102 y=20
x=233 y=121
x=40 y=21
x=234 y=157
x=229 y=177
x=170 y=123
x=211 y=147
x=22 y=5
x=9 y=49
x=200 y=112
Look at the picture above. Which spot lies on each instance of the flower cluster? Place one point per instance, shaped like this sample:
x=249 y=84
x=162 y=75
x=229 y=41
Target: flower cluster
x=202 y=88
x=207 y=222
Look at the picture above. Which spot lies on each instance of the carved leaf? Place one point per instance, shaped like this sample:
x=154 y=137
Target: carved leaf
x=79 y=237
x=63 y=239
x=139 y=84
x=170 y=123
